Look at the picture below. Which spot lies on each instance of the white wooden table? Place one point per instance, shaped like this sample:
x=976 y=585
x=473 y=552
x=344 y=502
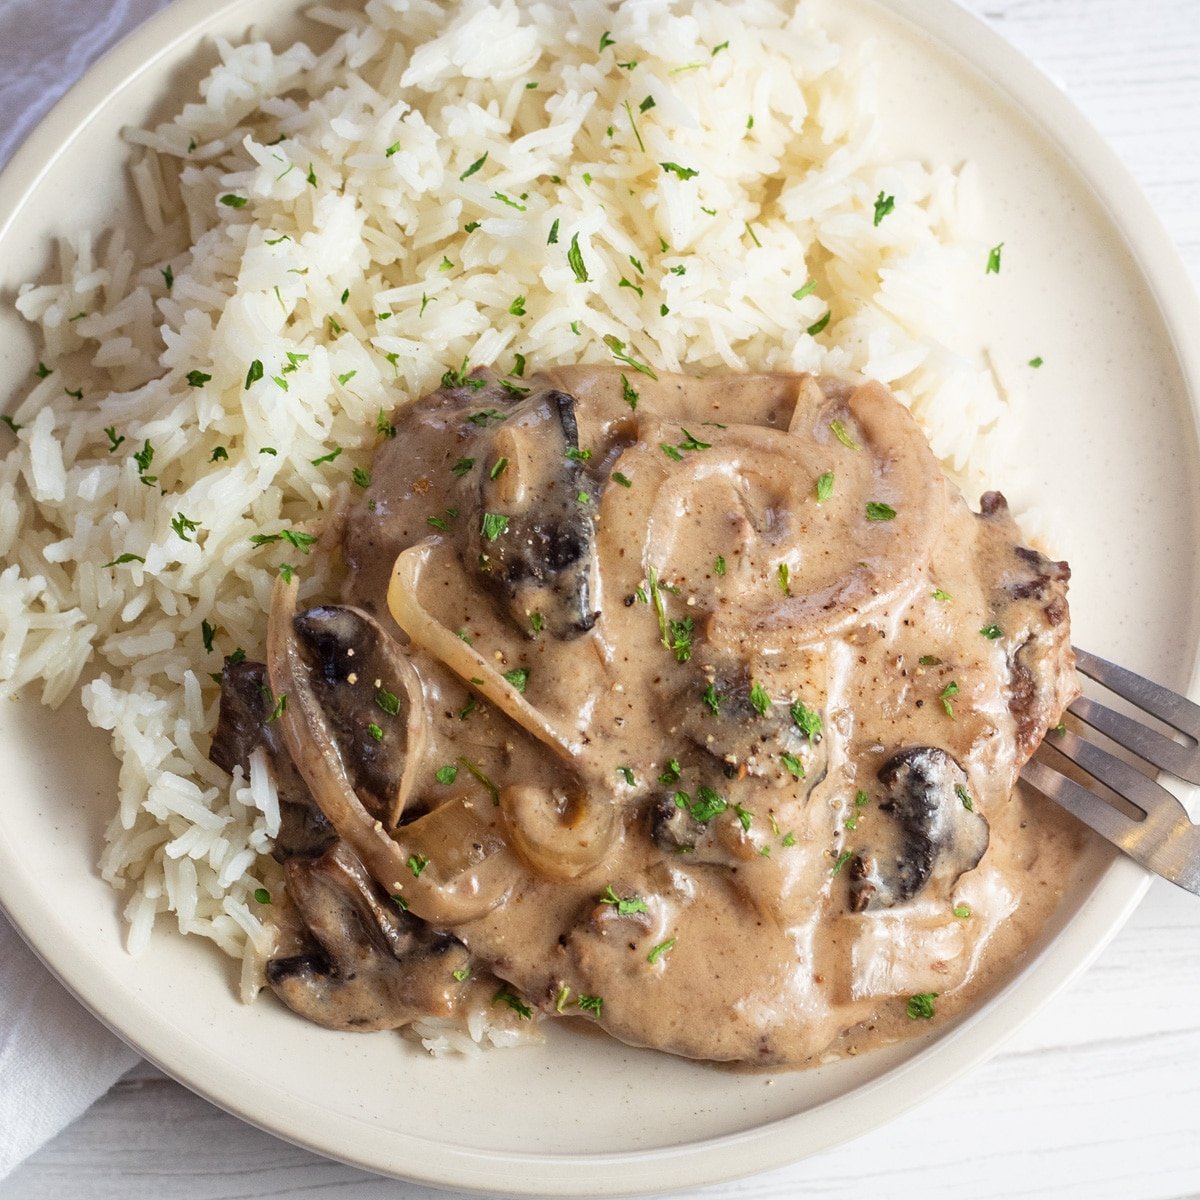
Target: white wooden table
x=1098 y=1097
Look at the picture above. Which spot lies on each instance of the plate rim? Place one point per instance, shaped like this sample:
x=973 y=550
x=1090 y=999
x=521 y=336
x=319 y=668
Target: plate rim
x=1113 y=898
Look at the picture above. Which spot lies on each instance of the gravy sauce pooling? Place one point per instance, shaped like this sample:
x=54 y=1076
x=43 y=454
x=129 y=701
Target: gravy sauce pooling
x=694 y=707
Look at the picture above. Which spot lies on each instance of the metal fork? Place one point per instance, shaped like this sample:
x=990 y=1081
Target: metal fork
x=1163 y=838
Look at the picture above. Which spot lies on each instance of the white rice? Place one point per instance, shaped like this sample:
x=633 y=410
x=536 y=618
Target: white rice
x=419 y=120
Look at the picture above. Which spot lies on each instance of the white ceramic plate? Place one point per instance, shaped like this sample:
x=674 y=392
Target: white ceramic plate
x=1089 y=282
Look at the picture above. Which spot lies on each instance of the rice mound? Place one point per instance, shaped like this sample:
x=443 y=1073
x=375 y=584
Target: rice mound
x=674 y=185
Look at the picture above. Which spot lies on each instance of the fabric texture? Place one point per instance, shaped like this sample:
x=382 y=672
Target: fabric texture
x=55 y=1058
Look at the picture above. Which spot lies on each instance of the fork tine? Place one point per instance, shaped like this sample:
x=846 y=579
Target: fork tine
x=1159 y=701
x=1148 y=744
x=1152 y=798
x=1089 y=808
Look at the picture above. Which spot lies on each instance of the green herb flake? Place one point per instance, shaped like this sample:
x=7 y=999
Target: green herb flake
x=262 y=896
x=518 y=678
x=326 y=458
x=494 y=524
x=623 y=480
x=992 y=632
x=462 y=466
x=447 y=774
x=462 y=974
x=793 y=764
x=841 y=860
x=661 y=949
x=824 y=487
x=759 y=700
x=184 y=526
x=234 y=201
x=920 y=1006
x=505 y=996
x=575 y=259
x=962 y=911
x=592 y=1004
x=806 y=290
x=375 y=731
x=122 y=559
x=1036 y=362
x=552 y=239
x=745 y=817
x=683 y=173
x=388 y=701
x=719 y=564
x=361 y=478
x=383 y=425
x=878 y=511
x=475 y=166
x=965 y=796
x=993 y=259
x=820 y=324
x=839 y=431
x=279 y=707
x=625 y=906
x=626 y=774
x=509 y=201
x=628 y=394
x=671 y=772
x=606 y=40
x=254 y=374
x=536 y=621
x=345 y=379
x=680 y=633
x=416 y=864
x=392 y=150
x=951 y=689
x=806 y=719
x=712 y=699
x=782 y=576
x=672 y=452
x=940 y=595
x=883 y=206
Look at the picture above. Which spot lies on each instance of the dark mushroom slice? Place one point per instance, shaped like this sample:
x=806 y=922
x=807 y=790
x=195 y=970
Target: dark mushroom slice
x=244 y=725
x=367 y=690
x=532 y=538
x=372 y=966
x=701 y=825
x=932 y=831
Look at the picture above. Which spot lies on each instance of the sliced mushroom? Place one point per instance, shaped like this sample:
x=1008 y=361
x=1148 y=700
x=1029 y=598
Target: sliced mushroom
x=371 y=697
x=532 y=539
x=243 y=726
x=933 y=832
x=373 y=966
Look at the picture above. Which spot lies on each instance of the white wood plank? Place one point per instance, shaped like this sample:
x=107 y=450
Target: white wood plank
x=1096 y=1098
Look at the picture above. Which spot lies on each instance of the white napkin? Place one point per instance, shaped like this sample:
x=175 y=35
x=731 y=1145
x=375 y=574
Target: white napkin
x=55 y=1059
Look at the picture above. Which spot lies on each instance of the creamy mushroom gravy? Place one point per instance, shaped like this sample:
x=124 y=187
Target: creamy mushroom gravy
x=693 y=707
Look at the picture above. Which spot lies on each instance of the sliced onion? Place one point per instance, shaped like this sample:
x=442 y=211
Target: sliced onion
x=558 y=832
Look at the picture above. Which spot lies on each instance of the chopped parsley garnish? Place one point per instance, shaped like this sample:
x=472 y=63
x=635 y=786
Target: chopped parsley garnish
x=575 y=260
x=416 y=864
x=536 y=622
x=680 y=633
x=508 y=200
x=593 y=1004
x=624 y=906
x=719 y=564
x=375 y=731
x=672 y=452
x=661 y=949
x=993 y=259
x=392 y=150
x=789 y=839
x=962 y=911
x=920 y=1006
x=841 y=861
x=462 y=974
x=626 y=773
x=929 y=660
x=965 y=796
x=782 y=574
x=445 y=265
x=494 y=524
x=951 y=689
x=623 y=480
x=262 y=896
x=475 y=166
x=110 y=430
x=712 y=699
x=793 y=764
x=717 y=49
x=463 y=465
x=671 y=771
x=552 y=239
x=820 y=324
x=505 y=996
x=878 y=511
x=311 y=176
x=584 y=497
x=197 y=378
x=806 y=290
x=447 y=774
x=1036 y=362
x=327 y=458
x=42 y=371
x=839 y=431
x=254 y=374
x=269 y=450
x=144 y=457
x=168 y=277
x=517 y=307
x=121 y=560
x=674 y=168
x=345 y=379
x=518 y=678
x=234 y=201
x=279 y=707
x=361 y=478
x=207 y=633
x=745 y=817
x=184 y=526
x=938 y=594
x=690 y=442
x=606 y=40
x=708 y=804
x=485 y=415
x=992 y=632
x=633 y=126
x=759 y=700
x=883 y=206
x=388 y=701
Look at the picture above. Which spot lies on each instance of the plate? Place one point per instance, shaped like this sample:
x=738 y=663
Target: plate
x=1090 y=283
